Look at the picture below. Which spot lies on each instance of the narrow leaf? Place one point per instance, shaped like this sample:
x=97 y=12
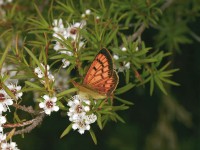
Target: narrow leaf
x=99 y=121
x=124 y=88
x=3 y=57
x=123 y=101
x=66 y=92
x=93 y=136
x=32 y=85
x=10 y=134
x=66 y=131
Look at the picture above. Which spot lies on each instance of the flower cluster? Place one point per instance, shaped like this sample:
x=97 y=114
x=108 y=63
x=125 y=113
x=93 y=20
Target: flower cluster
x=9 y=146
x=6 y=100
x=41 y=74
x=70 y=33
x=79 y=114
x=49 y=104
x=4 y=145
x=123 y=65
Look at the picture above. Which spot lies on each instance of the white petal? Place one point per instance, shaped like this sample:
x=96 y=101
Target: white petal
x=70 y=103
x=13 y=144
x=74 y=126
x=55 y=108
x=54 y=99
x=9 y=102
x=127 y=65
x=87 y=127
x=47 y=111
x=41 y=105
x=46 y=97
x=81 y=131
x=4 y=145
x=87 y=108
x=40 y=75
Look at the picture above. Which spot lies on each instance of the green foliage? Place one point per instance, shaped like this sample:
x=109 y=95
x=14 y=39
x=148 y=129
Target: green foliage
x=112 y=24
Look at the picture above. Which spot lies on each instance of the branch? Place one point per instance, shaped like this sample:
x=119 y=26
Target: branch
x=141 y=29
x=15 y=125
x=37 y=121
x=26 y=109
x=138 y=33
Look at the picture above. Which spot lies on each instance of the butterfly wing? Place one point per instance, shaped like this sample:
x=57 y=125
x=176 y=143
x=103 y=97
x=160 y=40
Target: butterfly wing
x=101 y=77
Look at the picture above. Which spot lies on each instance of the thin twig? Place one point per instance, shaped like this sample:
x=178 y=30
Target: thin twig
x=141 y=29
x=138 y=32
x=26 y=109
x=15 y=125
x=37 y=121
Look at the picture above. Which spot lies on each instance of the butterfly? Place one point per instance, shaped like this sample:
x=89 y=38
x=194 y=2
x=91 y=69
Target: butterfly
x=101 y=79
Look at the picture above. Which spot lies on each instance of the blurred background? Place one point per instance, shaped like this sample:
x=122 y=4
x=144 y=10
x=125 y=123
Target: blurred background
x=157 y=122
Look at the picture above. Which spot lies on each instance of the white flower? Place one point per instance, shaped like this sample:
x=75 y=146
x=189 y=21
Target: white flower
x=49 y=104
x=2 y=120
x=127 y=65
x=136 y=49
x=2 y=137
x=81 y=126
x=90 y=118
x=66 y=63
x=5 y=101
x=79 y=107
x=59 y=29
x=15 y=90
x=116 y=57
x=88 y=12
x=124 y=49
x=70 y=33
x=9 y=146
x=38 y=71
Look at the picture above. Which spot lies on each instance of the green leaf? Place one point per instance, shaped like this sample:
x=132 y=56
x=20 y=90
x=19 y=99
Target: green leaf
x=124 y=88
x=66 y=92
x=121 y=107
x=151 y=85
x=93 y=136
x=160 y=85
x=119 y=118
x=99 y=121
x=3 y=57
x=10 y=134
x=34 y=58
x=66 y=131
x=61 y=106
x=43 y=21
x=31 y=84
x=123 y=101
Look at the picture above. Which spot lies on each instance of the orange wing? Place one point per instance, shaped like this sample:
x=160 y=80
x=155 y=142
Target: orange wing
x=101 y=76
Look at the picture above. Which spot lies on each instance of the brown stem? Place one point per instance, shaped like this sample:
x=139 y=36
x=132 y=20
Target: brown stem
x=26 y=109
x=15 y=125
x=37 y=121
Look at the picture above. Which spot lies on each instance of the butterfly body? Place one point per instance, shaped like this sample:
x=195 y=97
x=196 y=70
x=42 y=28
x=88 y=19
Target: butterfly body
x=101 y=79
